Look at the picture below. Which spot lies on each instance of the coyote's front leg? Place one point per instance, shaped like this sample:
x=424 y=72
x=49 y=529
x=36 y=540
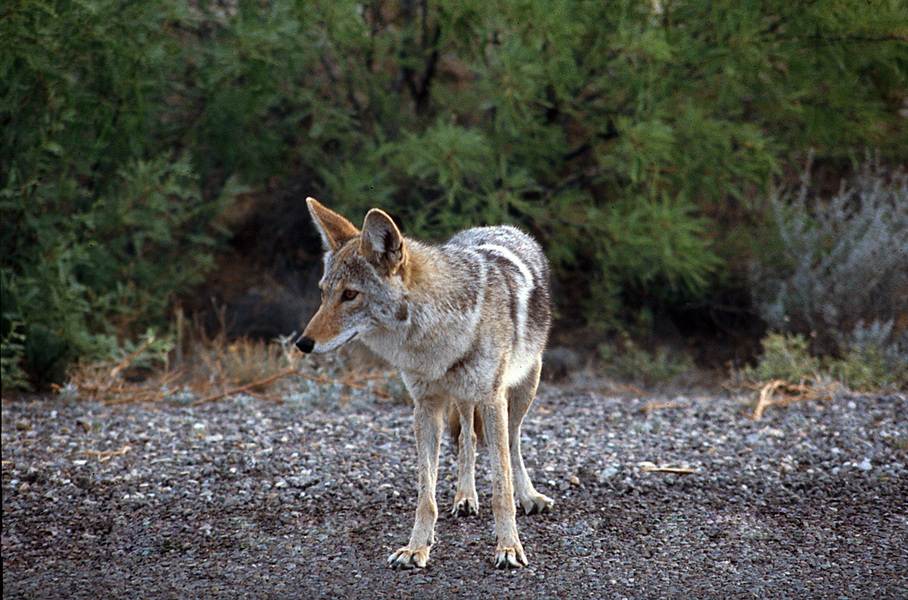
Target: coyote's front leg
x=427 y=426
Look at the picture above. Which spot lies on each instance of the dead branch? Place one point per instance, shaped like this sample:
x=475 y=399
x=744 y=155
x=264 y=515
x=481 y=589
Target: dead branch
x=126 y=361
x=105 y=455
x=246 y=388
x=649 y=467
x=780 y=393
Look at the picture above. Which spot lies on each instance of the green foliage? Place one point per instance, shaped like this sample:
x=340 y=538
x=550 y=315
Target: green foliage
x=867 y=369
x=788 y=358
x=623 y=134
x=82 y=283
x=12 y=375
x=628 y=361
x=784 y=357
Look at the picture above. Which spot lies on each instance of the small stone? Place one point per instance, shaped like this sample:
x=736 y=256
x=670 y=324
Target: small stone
x=607 y=473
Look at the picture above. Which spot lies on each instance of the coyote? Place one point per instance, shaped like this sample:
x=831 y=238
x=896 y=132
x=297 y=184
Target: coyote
x=466 y=323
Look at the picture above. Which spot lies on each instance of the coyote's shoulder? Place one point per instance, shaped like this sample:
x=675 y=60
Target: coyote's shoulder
x=466 y=322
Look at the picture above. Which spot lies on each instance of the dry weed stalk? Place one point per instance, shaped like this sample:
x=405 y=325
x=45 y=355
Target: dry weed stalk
x=103 y=382
x=649 y=467
x=105 y=455
x=653 y=406
x=781 y=393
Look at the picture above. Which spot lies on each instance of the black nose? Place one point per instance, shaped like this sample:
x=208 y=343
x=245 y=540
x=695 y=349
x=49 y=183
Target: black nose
x=305 y=344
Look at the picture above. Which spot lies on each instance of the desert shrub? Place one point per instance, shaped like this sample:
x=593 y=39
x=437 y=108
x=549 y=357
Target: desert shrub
x=784 y=357
x=626 y=360
x=787 y=358
x=840 y=271
x=83 y=283
x=124 y=128
x=625 y=135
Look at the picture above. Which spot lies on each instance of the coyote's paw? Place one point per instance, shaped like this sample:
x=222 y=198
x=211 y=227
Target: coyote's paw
x=465 y=507
x=407 y=558
x=507 y=558
x=536 y=503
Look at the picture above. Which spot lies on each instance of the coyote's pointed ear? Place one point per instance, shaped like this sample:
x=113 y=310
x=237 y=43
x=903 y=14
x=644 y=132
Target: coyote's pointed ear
x=334 y=229
x=382 y=244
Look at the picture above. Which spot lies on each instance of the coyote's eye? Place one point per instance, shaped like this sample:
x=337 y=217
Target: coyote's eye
x=348 y=295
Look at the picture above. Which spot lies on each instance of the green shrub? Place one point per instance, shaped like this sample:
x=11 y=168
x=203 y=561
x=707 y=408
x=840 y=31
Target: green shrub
x=104 y=216
x=624 y=137
x=81 y=284
x=630 y=137
x=628 y=361
x=788 y=358
x=784 y=357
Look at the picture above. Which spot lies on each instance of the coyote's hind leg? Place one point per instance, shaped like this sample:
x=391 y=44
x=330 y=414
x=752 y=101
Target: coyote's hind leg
x=520 y=397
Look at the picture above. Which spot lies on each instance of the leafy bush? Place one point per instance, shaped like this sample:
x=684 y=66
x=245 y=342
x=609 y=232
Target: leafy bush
x=627 y=360
x=784 y=357
x=101 y=222
x=626 y=135
x=81 y=283
x=787 y=358
x=842 y=273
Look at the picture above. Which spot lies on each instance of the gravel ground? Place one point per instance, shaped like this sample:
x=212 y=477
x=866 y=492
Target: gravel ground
x=242 y=498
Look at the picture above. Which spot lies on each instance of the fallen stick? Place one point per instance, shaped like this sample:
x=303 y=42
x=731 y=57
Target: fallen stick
x=789 y=393
x=649 y=467
x=245 y=388
x=291 y=371
x=126 y=361
x=651 y=406
x=765 y=400
x=105 y=455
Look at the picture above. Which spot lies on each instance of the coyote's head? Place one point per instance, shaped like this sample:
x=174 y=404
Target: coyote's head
x=363 y=288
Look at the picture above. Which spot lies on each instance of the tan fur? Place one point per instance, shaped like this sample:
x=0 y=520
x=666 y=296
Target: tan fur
x=466 y=323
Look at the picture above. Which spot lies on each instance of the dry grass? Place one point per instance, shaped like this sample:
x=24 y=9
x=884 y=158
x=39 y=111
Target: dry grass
x=200 y=369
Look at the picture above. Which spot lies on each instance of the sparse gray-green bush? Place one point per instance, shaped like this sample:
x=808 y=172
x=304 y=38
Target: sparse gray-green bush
x=841 y=275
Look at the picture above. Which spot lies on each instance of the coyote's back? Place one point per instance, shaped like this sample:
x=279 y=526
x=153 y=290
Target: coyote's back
x=508 y=274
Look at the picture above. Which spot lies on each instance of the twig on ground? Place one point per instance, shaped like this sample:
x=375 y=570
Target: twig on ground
x=243 y=389
x=126 y=361
x=651 y=406
x=780 y=393
x=105 y=455
x=250 y=387
x=649 y=467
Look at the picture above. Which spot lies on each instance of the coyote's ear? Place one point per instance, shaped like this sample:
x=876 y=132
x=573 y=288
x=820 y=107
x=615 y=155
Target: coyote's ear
x=382 y=244
x=334 y=229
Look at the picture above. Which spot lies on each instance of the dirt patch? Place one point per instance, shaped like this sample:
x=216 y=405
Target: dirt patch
x=306 y=499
